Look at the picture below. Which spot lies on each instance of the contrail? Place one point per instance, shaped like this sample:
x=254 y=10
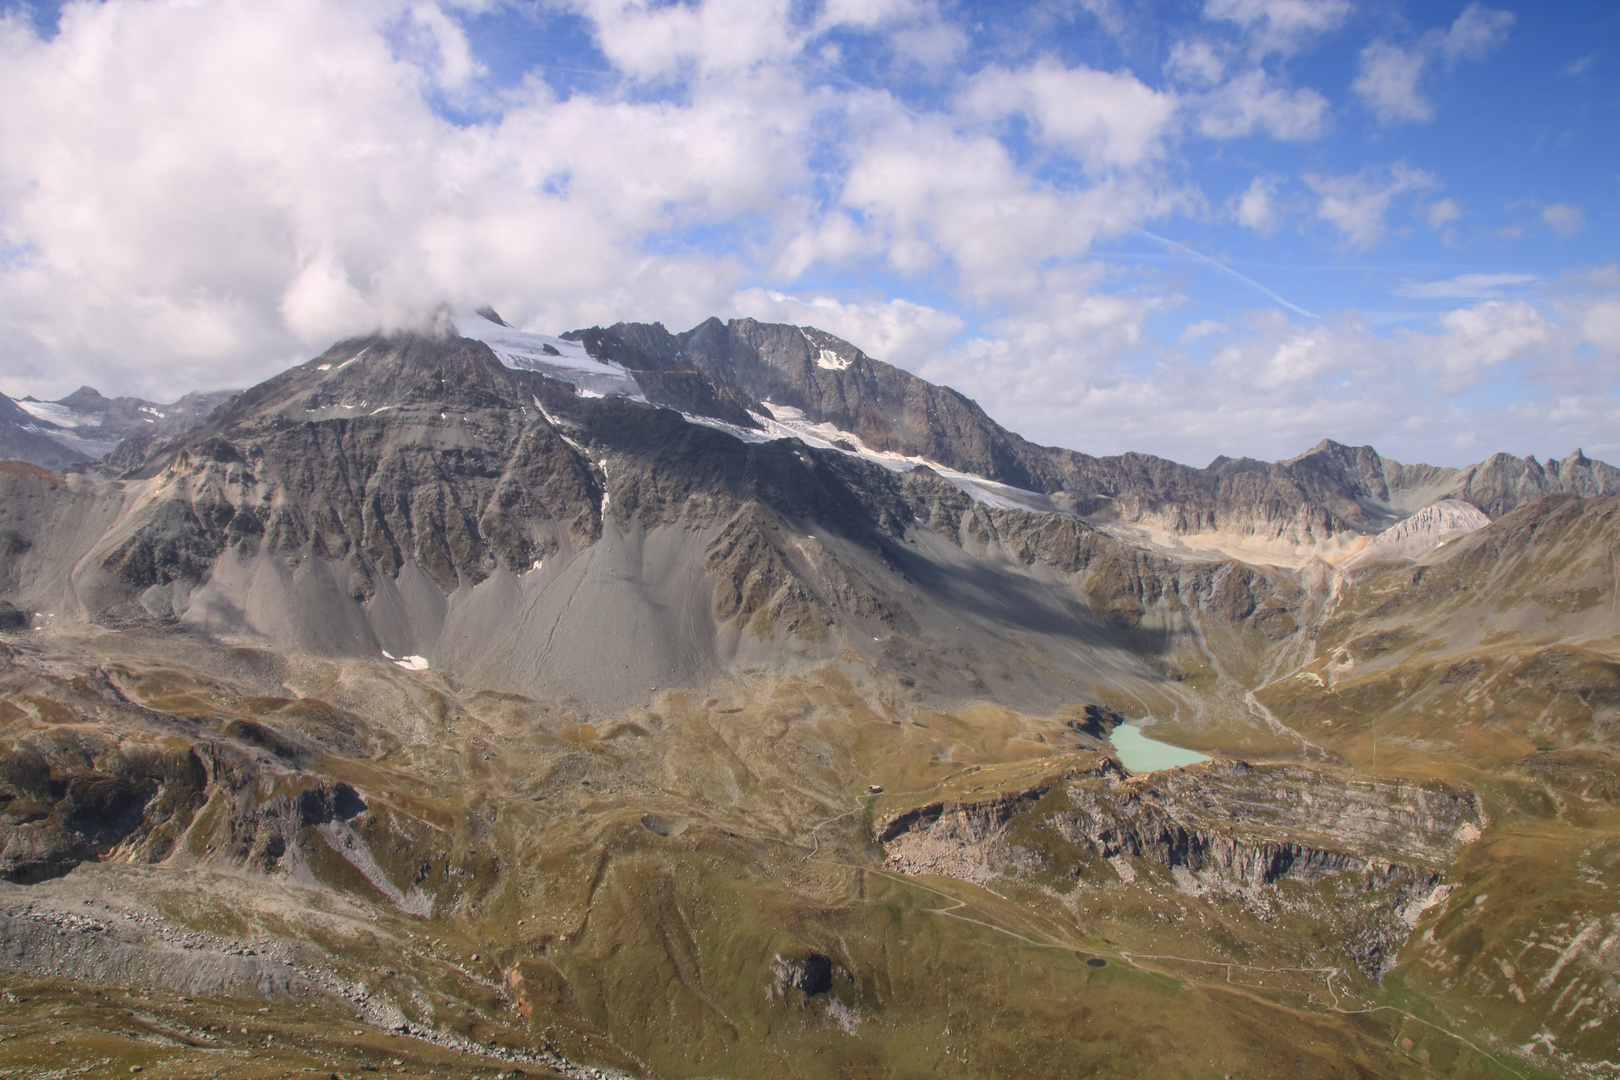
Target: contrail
x=1201 y=257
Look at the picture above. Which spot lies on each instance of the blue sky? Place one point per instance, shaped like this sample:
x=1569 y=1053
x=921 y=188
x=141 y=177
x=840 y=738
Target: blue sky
x=1229 y=226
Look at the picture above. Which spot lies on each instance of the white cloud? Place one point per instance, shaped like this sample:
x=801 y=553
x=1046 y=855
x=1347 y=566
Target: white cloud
x=445 y=46
x=1256 y=206
x=936 y=197
x=1107 y=14
x=1356 y=205
x=716 y=37
x=1042 y=363
x=1563 y=219
x=896 y=331
x=932 y=45
x=1443 y=212
x=1489 y=334
x=1477 y=33
x=206 y=191
x=1601 y=326
x=1249 y=102
x=1387 y=81
x=1282 y=26
x=1465 y=287
x=1276 y=355
x=917 y=31
x=871 y=13
x=1200 y=330
x=1195 y=63
x=1107 y=120
x=197 y=193
x=1388 y=76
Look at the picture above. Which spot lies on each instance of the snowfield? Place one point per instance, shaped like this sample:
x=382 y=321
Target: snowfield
x=552 y=356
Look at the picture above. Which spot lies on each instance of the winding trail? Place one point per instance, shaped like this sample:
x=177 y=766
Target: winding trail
x=1135 y=959
x=1063 y=941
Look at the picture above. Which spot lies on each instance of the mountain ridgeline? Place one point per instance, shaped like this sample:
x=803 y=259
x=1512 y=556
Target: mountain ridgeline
x=732 y=703
x=1327 y=490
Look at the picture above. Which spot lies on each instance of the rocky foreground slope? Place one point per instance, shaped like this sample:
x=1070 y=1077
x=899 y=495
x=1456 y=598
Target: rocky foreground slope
x=541 y=703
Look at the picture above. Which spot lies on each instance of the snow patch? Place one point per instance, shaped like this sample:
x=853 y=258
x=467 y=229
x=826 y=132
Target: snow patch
x=554 y=357
x=353 y=358
x=830 y=360
x=60 y=415
x=323 y=367
x=787 y=422
x=412 y=663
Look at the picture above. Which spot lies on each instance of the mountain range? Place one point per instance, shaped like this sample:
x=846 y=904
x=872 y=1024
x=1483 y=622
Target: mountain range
x=732 y=703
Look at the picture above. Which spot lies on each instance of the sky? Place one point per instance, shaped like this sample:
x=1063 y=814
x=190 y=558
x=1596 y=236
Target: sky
x=1188 y=229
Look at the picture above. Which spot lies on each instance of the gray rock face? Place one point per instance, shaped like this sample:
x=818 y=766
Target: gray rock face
x=1421 y=533
x=1225 y=827
x=413 y=494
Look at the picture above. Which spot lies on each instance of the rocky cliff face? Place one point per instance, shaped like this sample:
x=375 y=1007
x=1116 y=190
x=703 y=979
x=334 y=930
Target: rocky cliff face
x=1420 y=534
x=416 y=496
x=1328 y=492
x=1367 y=854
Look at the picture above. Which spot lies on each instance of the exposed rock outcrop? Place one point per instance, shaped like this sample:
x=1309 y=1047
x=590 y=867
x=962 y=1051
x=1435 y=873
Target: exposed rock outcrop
x=1225 y=827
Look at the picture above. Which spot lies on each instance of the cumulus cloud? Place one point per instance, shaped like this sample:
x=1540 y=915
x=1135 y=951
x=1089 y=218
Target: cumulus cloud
x=1387 y=81
x=1251 y=102
x=1045 y=361
x=279 y=177
x=196 y=194
x=1389 y=76
x=717 y=37
x=1356 y=205
x=898 y=332
x=1490 y=333
x=940 y=198
x=1478 y=32
x=283 y=176
x=442 y=45
x=1280 y=26
x=1269 y=387
x=1195 y=63
x=1256 y=206
x=1107 y=120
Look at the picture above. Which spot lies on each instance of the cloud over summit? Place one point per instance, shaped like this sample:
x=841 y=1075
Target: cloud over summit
x=198 y=194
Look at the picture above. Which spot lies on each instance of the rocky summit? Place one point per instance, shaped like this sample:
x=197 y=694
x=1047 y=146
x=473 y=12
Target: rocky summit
x=475 y=702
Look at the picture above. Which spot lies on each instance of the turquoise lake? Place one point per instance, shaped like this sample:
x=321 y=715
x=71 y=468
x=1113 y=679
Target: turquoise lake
x=1138 y=753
